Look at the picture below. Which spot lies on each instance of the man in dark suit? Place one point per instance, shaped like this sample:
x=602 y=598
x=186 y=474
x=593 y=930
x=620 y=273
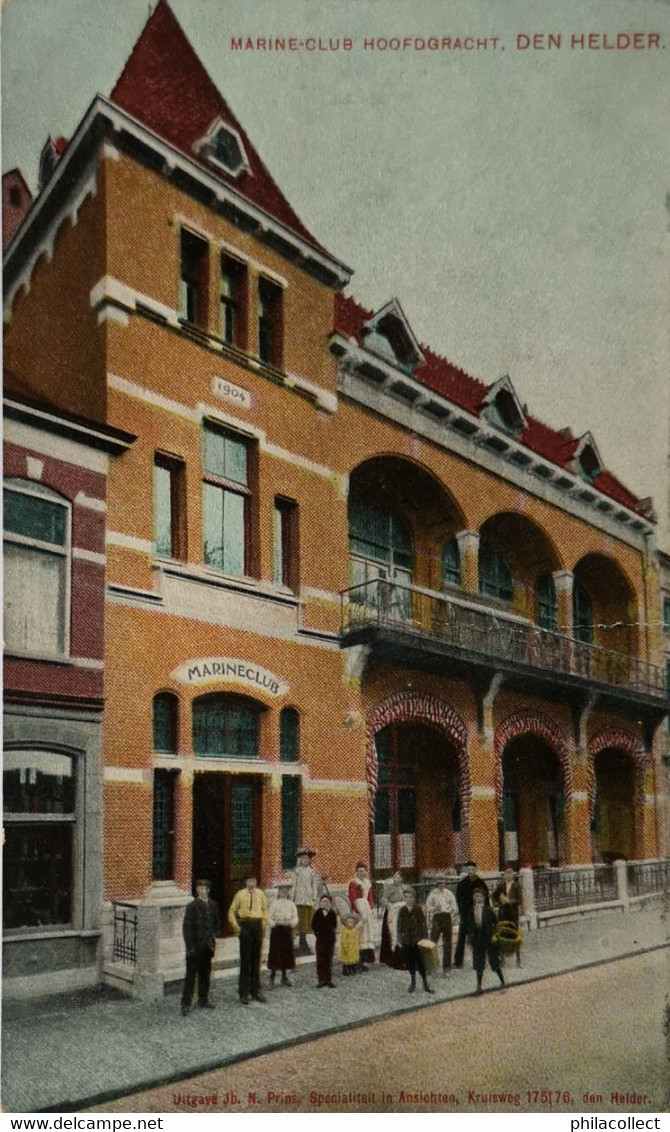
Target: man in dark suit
x=201 y=924
x=481 y=926
x=465 y=889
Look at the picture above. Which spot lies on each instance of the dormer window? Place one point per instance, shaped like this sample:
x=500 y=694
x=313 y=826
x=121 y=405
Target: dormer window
x=502 y=408
x=586 y=461
x=223 y=147
x=389 y=335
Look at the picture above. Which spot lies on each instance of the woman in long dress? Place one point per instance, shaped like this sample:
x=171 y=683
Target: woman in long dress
x=390 y=951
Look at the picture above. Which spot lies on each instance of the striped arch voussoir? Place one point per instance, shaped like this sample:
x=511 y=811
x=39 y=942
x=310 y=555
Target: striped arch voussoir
x=619 y=740
x=530 y=722
x=417 y=707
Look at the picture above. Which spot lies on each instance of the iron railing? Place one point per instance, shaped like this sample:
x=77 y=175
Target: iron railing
x=646 y=877
x=573 y=888
x=125 y=934
x=494 y=635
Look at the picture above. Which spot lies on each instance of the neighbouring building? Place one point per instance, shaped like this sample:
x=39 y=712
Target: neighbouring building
x=354 y=596
x=55 y=479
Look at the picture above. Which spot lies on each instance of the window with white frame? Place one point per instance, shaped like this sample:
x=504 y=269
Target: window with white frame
x=227 y=500
x=37 y=568
x=39 y=801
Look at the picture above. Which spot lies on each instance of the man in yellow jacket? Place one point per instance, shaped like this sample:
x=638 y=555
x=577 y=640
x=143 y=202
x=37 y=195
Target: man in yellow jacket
x=247 y=917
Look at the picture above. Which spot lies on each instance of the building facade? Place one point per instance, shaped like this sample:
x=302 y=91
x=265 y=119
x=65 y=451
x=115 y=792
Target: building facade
x=55 y=469
x=354 y=597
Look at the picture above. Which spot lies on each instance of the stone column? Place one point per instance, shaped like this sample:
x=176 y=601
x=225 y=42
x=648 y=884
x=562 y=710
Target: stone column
x=183 y=829
x=563 y=582
x=622 y=883
x=528 y=897
x=482 y=827
x=468 y=547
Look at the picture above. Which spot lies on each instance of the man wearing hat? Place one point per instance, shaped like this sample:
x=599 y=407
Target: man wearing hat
x=283 y=921
x=306 y=892
x=200 y=927
x=465 y=890
x=441 y=908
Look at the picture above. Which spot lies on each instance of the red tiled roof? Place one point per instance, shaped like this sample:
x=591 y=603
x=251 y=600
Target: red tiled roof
x=166 y=88
x=440 y=375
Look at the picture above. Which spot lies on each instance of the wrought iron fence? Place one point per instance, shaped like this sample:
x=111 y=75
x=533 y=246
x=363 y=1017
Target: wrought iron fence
x=125 y=934
x=573 y=888
x=646 y=877
x=492 y=634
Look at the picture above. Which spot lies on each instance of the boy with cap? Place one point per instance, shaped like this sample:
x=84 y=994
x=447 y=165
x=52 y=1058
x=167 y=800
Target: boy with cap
x=306 y=891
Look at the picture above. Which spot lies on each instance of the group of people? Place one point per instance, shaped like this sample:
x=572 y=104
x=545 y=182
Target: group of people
x=304 y=906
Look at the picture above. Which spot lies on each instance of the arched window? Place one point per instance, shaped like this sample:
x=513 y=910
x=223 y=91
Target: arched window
x=495 y=576
x=37 y=568
x=165 y=723
x=40 y=817
x=545 y=602
x=289 y=735
x=451 y=562
x=582 y=613
x=226 y=726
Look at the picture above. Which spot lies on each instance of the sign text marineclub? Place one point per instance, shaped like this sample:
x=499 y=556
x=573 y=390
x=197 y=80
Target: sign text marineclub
x=223 y=669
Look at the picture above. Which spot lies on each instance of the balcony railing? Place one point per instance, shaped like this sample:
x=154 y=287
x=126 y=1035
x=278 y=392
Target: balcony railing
x=494 y=636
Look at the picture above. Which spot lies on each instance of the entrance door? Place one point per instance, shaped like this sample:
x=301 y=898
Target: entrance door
x=226 y=834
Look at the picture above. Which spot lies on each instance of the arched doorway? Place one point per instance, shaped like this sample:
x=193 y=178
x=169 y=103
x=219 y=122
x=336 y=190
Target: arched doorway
x=533 y=802
x=418 y=814
x=613 y=824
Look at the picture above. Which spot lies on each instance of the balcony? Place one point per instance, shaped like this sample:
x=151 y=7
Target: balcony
x=411 y=625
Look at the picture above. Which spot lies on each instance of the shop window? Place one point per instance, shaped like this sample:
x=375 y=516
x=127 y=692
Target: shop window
x=194 y=277
x=225 y=727
x=289 y=735
x=40 y=818
x=582 y=613
x=545 y=602
x=495 y=576
x=169 y=507
x=163 y=824
x=233 y=308
x=227 y=501
x=451 y=563
x=285 y=543
x=290 y=821
x=165 y=723
x=36 y=570
x=269 y=322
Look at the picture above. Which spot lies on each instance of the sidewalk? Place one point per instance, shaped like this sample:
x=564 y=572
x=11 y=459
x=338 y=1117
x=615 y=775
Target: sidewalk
x=74 y=1052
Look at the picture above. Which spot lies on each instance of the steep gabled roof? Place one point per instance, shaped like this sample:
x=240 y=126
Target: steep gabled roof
x=166 y=88
x=455 y=385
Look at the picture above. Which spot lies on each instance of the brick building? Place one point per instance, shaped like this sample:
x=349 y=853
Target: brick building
x=354 y=596
x=55 y=468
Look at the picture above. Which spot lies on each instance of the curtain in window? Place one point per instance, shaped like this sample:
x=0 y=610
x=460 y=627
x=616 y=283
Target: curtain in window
x=34 y=599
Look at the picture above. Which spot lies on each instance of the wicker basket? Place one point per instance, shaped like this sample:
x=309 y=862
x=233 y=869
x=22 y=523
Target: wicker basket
x=507 y=937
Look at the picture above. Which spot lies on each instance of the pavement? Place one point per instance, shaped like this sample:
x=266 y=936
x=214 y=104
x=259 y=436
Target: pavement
x=69 y=1053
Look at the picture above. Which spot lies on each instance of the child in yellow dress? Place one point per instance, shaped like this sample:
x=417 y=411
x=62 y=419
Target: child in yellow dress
x=350 y=944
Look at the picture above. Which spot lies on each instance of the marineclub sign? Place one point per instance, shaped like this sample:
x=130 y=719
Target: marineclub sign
x=229 y=669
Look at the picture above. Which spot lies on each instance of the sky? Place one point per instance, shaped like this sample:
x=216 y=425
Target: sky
x=512 y=197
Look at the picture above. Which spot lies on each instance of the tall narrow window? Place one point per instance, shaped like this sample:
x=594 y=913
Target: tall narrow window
x=169 y=507
x=285 y=539
x=666 y=614
x=165 y=723
x=582 y=613
x=194 y=272
x=39 y=799
x=290 y=821
x=233 y=293
x=495 y=576
x=289 y=735
x=36 y=568
x=226 y=501
x=163 y=824
x=545 y=602
x=451 y=563
x=269 y=322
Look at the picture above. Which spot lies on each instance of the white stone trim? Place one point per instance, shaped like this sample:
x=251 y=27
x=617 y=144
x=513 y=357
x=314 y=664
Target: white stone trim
x=580 y=796
x=134 y=774
x=298 y=461
x=483 y=792
x=95 y=664
x=34 y=468
x=323 y=397
x=320 y=595
x=81 y=499
x=129 y=542
x=57 y=447
x=334 y=786
x=89 y=556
